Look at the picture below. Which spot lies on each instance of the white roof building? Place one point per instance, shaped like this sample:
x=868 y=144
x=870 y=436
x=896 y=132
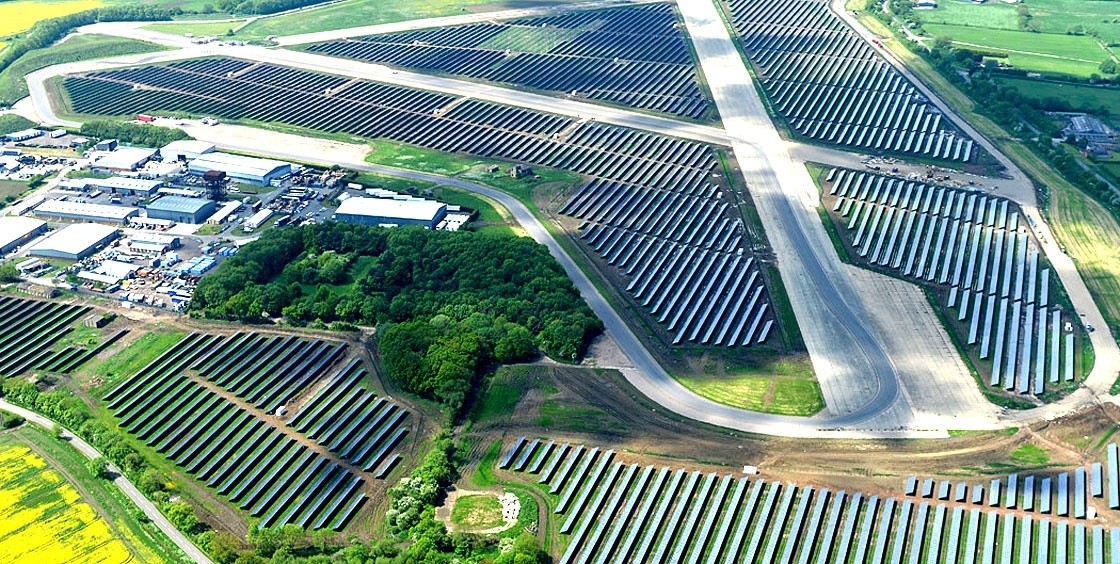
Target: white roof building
x=188 y=149
x=15 y=230
x=137 y=186
x=75 y=241
x=125 y=159
x=77 y=211
x=244 y=169
x=380 y=211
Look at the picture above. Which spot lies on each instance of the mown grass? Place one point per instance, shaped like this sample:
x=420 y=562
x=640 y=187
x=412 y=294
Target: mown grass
x=135 y=356
x=13 y=85
x=481 y=511
x=1073 y=55
x=768 y=385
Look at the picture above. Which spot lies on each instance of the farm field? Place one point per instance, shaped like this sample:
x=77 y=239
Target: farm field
x=17 y=16
x=978 y=254
x=75 y=48
x=636 y=57
x=226 y=426
x=1050 y=54
x=44 y=517
x=830 y=87
x=1079 y=96
x=1051 y=16
x=611 y=510
x=648 y=196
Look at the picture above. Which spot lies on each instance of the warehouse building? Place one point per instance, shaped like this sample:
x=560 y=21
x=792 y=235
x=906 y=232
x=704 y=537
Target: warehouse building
x=15 y=231
x=181 y=209
x=249 y=170
x=127 y=186
x=384 y=212
x=124 y=159
x=24 y=135
x=77 y=211
x=75 y=242
x=185 y=150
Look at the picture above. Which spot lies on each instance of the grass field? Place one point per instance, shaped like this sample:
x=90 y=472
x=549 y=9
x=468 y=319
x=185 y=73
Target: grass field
x=1052 y=16
x=776 y=386
x=1047 y=53
x=477 y=512
x=11 y=188
x=530 y=39
x=1080 y=96
x=19 y=15
x=135 y=356
x=44 y=517
x=198 y=29
x=74 y=48
x=356 y=13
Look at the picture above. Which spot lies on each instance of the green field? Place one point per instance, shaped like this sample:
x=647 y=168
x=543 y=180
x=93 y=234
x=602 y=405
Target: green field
x=198 y=29
x=775 y=386
x=1047 y=53
x=530 y=39
x=477 y=512
x=11 y=188
x=138 y=353
x=1080 y=96
x=1051 y=16
x=75 y=48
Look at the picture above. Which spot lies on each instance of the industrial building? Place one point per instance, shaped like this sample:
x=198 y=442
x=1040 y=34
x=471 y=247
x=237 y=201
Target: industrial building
x=227 y=210
x=24 y=135
x=385 y=212
x=181 y=209
x=124 y=159
x=75 y=242
x=127 y=186
x=15 y=231
x=185 y=150
x=77 y=211
x=250 y=170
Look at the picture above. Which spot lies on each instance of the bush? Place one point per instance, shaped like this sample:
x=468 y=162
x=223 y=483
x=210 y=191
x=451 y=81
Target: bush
x=134 y=133
x=11 y=420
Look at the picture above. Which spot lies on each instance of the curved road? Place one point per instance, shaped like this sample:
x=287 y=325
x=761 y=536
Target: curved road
x=120 y=481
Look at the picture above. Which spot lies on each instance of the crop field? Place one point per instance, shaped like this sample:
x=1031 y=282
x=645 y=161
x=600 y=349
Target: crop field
x=636 y=56
x=650 y=199
x=1082 y=97
x=1075 y=55
x=611 y=511
x=976 y=248
x=29 y=329
x=831 y=87
x=19 y=15
x=231 y=447
x=1052 y=17
x=44 y=517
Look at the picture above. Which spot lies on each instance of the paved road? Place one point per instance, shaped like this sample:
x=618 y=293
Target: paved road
x=120 y=481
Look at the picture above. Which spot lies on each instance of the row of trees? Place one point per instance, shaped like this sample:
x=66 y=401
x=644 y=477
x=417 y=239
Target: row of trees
x=449 y=304
x=133 y=133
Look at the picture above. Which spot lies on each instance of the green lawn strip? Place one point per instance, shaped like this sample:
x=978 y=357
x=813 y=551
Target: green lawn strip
x=484 y=476
x=127 y=362
x=480 y=511
x=122 y=515
x=75 y=48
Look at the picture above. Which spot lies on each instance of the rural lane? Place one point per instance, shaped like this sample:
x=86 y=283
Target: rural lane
x=126 y=486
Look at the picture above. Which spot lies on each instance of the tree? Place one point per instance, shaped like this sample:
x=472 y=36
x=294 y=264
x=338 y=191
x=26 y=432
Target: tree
x=9 y=272
x=99 y=467
x=1108 y=66
x=181 y=514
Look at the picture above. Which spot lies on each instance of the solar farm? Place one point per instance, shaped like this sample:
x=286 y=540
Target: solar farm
x=224 y=426
x=830 y=86
x=977 y=250
x=635 y=56
x=29 y=330
x=648 y=198
x=612 y=511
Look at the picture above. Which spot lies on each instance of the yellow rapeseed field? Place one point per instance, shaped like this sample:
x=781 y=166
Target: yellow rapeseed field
x=19 y=15
x=44 y=519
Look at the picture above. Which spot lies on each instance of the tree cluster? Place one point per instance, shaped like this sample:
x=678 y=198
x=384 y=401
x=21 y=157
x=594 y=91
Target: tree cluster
x=449 y=304
x=256 y=7
x=133 y=133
